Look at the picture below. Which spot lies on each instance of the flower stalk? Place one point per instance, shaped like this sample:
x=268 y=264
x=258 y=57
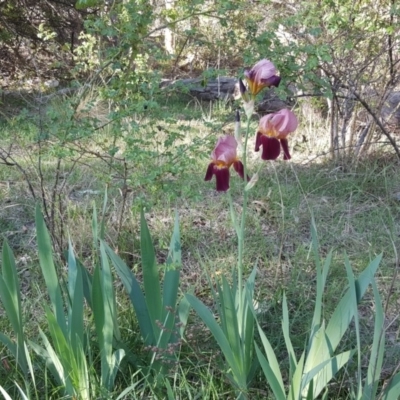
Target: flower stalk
x=234 y=332
x=243 y=216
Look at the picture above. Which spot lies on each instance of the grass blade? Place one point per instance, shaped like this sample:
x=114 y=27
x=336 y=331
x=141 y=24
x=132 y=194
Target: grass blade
x=296 y=381
x=5 y=394
x=62 y=349
x=108 y=291
x=353 y=308
x=171 y=280
x=286 y=335
x=247 y=325
x=344 y=311
x=49 y=270
x=271 y=366
x=271 y=378
x=378 y=348
x=207 y=317
x=103 y=330
x=103 y=215
x=183 y=312
x=392 y=390
x=151 y=281
x=135 y=294
x=53 y=363
x=319 y=376
x=11 y=299
x=75 y=289
x=230 y=321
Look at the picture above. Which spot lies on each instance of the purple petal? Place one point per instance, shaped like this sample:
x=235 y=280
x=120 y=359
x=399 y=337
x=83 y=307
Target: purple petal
x=225 y=150
x=222 y=178
x=285 y=148
x=239 y=168
x=258 y=141
x=242 y=88
x=210 y=172
x=272 y=81
x=248 y=74
x=285 y=121
x=271 y=148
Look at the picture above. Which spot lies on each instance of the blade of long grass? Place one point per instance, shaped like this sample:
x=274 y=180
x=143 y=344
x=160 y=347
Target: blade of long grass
x=135 y=294
x=82 y=372
x=49 y=270
x=129 y=389
x=247 y=325
x=116 y=359
x=13 y=314
x=108 y=291
x=353 y=307
x=103 y=330
x=95 y=229
x=103 y=215
x=322 y=273
x=75 y=289
x=392 y=390
x=53 y=362
x=171 y=285
x=151 y=281
x=104 y=312
x=12 y=346
x=271 y=378
x=321 y=280
x=315 y=243
x=61 y=346
x=30 y=365
x=170 y=392
x=250 y=362
x=343 y=315
x=170 y=295
x=319 y=350
x=319 y=376
x=21 y=392
x=344 y=312
x=72 y=273
x=11 y=299
x=86 y=282
x=10 y=274
x=11 y=306
x=171 y=281
x=377 y=350
x=207 y=317
x=286 y=335
x=272 y=371
x=230 y=322
x=174 y=257
x=5 y=394
x=296 y=381
x=183 y=312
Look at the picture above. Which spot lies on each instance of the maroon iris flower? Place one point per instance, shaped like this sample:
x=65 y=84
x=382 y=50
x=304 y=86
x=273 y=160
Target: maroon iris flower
x=262 y=75
x=272 y=132
x=222 y=158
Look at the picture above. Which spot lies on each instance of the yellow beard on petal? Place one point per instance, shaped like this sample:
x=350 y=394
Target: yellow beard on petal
x=273 y=133
x=221 y=164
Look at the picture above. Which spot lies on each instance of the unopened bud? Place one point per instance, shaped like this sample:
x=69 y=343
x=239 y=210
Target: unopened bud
x=252 y=182
x=249 y=108
x=238 y=133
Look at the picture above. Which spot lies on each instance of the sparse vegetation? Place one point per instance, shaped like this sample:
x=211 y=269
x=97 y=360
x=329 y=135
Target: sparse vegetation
x=92 y=176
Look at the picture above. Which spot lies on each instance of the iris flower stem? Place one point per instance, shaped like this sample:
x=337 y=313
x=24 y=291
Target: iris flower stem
x=243 y=220
x=233 y=215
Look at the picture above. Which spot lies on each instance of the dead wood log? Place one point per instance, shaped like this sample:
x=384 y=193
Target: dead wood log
x=223 y=88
